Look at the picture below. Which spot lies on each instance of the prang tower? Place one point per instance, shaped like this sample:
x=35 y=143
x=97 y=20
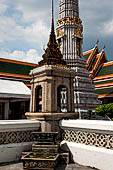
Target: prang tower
x=70 y=40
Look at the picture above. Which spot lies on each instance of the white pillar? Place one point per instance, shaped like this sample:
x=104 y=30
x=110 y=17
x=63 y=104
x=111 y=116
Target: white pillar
x=6 y=110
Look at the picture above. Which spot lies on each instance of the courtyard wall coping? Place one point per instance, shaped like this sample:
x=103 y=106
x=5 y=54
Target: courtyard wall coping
x=18 y=124
x=88 y=124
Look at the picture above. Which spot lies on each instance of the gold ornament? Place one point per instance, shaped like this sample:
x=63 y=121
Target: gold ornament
x=60 y=46
x=72 y=20
x=60 y=33
x=78 y=48
x=78 y=32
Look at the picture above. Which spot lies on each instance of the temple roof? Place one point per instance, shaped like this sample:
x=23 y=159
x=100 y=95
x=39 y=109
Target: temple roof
x=86 y=54
x=11 y=66
x=16 y=70
x=94 y=60
x=100 y=70
x=14 y=89
x=103 y=82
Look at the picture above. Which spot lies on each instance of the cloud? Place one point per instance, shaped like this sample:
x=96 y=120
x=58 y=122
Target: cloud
x=3 y=8
x=38 y=32
x=95 y=16
x=25 y=24
x=107 y=28
x=33 y=10
x=31 y=55
x=97 y=20
x=9 y=30
x=26 y=21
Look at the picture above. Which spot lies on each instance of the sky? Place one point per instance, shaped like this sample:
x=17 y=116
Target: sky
x=25 y=27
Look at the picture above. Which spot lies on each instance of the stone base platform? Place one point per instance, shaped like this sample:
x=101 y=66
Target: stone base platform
x=50 y=121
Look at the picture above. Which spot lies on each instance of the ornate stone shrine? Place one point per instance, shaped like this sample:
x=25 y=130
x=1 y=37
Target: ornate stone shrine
x=52 y=93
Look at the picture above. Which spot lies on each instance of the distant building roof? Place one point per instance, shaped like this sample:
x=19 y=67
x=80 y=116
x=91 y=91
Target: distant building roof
x=104 y=80
x=14 y=89
x=16 y=70
x=101 y=71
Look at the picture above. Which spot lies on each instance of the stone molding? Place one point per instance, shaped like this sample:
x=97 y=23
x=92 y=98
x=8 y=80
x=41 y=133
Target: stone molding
x=50 y=116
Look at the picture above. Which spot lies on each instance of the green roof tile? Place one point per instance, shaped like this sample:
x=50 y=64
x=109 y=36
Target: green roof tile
x=106 y=70
x=102 y=82
x=92 y=64
x=104 y=90
x=86 y=56
x=15 y=68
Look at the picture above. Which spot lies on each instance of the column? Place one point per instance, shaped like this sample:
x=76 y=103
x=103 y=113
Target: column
x=6 y=110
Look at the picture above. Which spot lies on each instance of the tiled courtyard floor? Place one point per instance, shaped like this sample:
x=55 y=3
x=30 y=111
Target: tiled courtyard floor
x=18 y=166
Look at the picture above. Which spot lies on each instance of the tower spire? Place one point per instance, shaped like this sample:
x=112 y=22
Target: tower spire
x=52 y=15
x=52 y=55
x=52 y=38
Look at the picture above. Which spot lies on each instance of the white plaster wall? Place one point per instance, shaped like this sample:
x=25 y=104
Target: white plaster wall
x=88 y=124
x=90 y=156
x=13 y=152
x=100 y=158
x=14 y=125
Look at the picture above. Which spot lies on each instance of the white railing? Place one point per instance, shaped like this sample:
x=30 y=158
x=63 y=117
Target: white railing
x=16 y=137
x=90 y=142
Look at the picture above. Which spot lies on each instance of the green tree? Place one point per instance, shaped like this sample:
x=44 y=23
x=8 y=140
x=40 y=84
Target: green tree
x=105 y=110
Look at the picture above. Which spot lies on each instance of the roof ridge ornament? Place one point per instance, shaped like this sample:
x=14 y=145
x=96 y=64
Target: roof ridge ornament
x=97 y=42
x=103 y=50
x=104 y=46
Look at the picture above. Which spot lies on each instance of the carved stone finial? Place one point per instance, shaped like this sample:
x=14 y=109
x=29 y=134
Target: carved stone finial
x=52 y=55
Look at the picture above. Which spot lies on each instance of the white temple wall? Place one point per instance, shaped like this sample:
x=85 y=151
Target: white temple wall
x=90 y=142
x=16 y=137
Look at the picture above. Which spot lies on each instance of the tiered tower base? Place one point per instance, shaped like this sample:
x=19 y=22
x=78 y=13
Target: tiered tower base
x=85 y=96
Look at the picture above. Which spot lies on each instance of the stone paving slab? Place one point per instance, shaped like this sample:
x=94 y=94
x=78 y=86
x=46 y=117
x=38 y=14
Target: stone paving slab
x=19 y=166
x=74 y=167
x=13 y=166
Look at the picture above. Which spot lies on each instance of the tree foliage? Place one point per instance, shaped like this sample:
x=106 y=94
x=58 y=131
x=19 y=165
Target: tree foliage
x=105 y=109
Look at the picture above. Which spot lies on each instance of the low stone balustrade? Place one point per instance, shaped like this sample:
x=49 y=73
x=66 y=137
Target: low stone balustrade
x=90 y=142
x=16 y=137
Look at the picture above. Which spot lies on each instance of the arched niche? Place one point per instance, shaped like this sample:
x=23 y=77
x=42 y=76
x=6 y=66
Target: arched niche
x=38 y=93
x=62 y=98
